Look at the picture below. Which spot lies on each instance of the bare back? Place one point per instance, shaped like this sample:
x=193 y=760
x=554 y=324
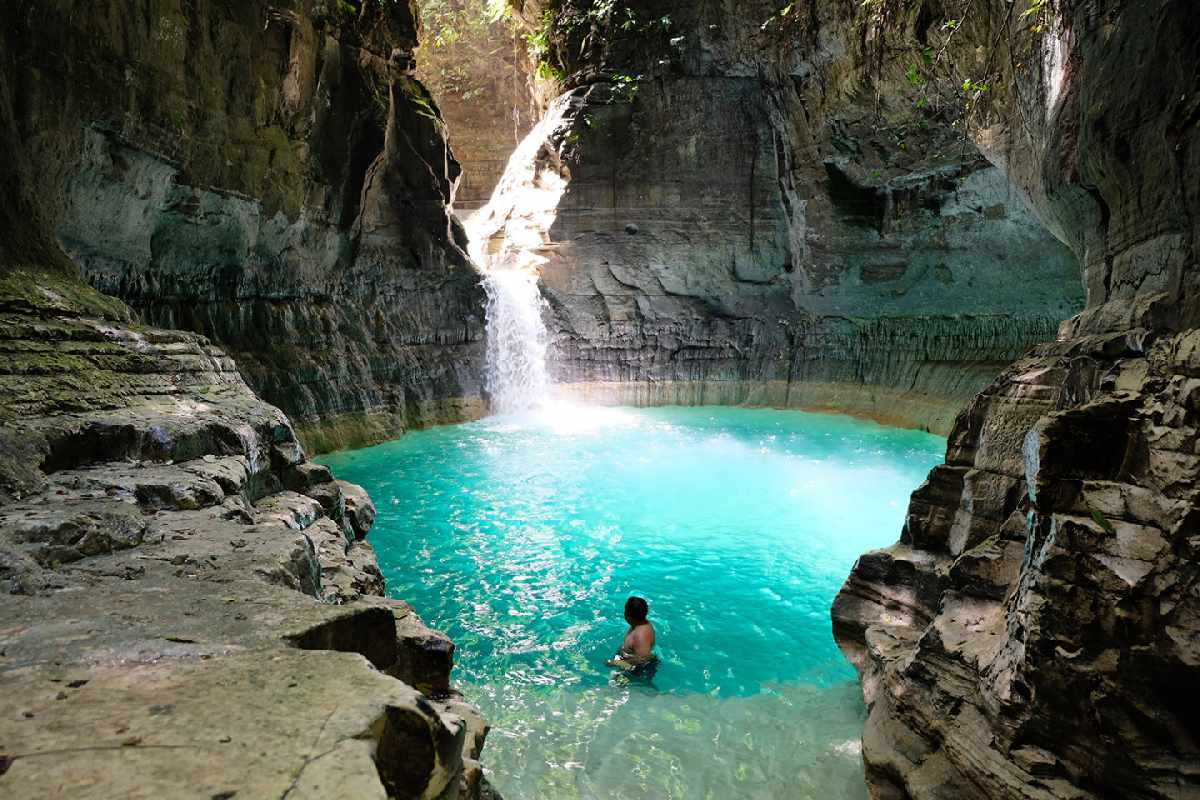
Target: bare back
x=639 y=642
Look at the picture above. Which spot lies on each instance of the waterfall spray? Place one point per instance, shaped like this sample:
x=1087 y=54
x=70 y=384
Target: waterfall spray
x=507 y=236
x=516 y=376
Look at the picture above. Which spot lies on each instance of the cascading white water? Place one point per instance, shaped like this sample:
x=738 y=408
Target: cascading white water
x=507 y=236
x=516 y=376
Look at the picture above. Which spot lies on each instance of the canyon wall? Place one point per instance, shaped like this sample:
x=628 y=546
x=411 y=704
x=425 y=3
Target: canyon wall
x=751 y=214
x=268 y=175
x=479 y=72
x=188 y=605
x=748 y=212
x=1036 y=631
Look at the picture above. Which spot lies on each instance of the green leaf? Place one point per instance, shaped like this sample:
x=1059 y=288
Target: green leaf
x=547 y=71
x=1104 y=523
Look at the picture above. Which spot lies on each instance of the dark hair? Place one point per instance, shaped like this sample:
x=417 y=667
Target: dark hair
x=636 y=609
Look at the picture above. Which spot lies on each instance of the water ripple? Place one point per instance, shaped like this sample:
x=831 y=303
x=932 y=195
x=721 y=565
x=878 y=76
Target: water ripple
x=522 y=536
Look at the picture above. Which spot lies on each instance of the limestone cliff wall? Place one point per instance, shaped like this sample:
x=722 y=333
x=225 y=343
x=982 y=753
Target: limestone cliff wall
x=755 y=215
x=1036 y=631
x=269 y=175
x=188 y=606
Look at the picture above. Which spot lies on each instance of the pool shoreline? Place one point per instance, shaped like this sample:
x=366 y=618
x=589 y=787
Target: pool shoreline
x=520 y=536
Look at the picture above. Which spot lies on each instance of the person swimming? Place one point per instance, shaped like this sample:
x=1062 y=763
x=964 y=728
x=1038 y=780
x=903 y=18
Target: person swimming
x=636 y=653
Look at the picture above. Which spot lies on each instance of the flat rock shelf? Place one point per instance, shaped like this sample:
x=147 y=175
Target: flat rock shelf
x=521 y=537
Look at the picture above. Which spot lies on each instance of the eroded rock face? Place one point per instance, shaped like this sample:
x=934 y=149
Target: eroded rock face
x=1036 y=629
x=752 y=217
x=188 y=606
x=269 y=175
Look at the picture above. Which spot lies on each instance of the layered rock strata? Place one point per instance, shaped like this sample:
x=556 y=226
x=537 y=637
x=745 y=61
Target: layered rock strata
x=755 y=216
x=1036 y=631
x=270 y=175
x=190 y=606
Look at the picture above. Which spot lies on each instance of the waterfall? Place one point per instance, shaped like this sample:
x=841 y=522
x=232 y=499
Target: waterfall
x=516 y=376
x=507 y=238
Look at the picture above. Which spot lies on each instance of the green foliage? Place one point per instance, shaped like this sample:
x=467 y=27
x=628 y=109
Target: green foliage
x=1037 y=15
x=538 y=46
x=462 y=40
x=537 y=42
x=626 y=87
x=548 y=72
x=777 y=19
x=352 y=8
x=447 y=21
x=582 y=31
x=418 y=98
x=946 y=73
x=973 y=89
x=1103 y=522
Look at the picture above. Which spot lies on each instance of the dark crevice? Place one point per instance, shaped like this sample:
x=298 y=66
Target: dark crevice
x=406 y=756
x=365 y=143
x=370 y=632
x=1105 y=217
x=860 y=205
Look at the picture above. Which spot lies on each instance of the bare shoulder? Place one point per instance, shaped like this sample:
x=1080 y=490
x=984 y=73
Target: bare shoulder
x=647 y=634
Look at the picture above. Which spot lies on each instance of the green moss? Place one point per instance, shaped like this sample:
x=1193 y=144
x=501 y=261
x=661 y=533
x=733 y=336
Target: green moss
x=41 y=292
x=355 y=429
x=421 y=102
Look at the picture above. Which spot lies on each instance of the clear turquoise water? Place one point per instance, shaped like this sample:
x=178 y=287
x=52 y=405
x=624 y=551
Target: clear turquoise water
x=521 y=537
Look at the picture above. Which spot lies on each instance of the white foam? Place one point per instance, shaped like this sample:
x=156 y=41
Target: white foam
x=516 y=376
x=507 y=238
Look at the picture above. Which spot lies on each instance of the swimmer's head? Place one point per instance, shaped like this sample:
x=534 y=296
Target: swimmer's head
x=636 y=610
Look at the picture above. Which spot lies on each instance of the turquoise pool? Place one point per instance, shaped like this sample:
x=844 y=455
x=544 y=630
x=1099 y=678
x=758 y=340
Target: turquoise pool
x=521 y=537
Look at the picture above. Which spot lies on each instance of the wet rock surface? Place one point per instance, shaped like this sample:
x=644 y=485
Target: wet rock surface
x=1027 y=635
x=759 y=218
x=1034 y=632
x=189 y=607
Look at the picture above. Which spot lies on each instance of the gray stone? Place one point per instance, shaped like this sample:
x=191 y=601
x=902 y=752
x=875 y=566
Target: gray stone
x=360 y=511
x=797 y=245
x=173 y=620
x=1052 y=660
x=255 y=206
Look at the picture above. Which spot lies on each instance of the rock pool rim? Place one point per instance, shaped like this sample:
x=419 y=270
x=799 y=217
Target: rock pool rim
x=590 y=395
